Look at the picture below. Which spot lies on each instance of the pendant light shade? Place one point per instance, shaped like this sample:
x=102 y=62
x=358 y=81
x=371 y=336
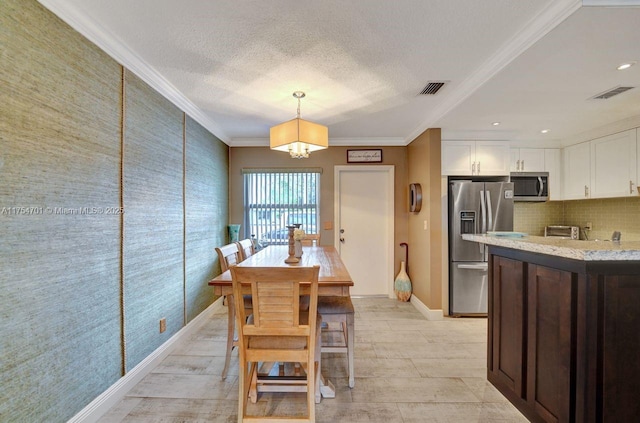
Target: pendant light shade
x=298 y=136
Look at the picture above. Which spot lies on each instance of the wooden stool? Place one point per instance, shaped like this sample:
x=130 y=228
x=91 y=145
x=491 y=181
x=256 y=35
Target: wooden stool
x=340 y=309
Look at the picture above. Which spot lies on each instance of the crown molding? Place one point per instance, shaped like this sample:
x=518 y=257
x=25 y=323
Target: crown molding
x=602 y=131
x=534 y=30
x=333 y=142
x=611 y=3
x=114 y=47
x=486 y=135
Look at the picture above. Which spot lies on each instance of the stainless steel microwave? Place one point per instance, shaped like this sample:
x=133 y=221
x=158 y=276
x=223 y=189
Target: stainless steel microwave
x=530 y=186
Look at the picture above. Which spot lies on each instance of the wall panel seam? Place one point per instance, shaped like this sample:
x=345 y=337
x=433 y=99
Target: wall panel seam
x=123 y=339
x=184 y=217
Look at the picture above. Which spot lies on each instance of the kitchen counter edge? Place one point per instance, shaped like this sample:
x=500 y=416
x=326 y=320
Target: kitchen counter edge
x=568 y=248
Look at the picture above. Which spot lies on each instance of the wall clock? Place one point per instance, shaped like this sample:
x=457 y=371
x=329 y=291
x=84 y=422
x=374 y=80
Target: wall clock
x=415 y=198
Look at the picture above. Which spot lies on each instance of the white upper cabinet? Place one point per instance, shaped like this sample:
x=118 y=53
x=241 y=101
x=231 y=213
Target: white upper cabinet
x=638 y=161
x=527 y=160
x=576 y=171
x=614 y=165
x=481 y=158
x=552 y=165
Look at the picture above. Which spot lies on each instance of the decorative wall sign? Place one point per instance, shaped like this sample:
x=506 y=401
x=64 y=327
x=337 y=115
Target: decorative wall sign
x=364 y=156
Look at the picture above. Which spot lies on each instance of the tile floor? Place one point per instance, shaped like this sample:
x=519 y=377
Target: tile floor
x=408 y=370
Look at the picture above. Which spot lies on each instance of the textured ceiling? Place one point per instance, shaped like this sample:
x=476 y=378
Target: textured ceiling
x=234 y=64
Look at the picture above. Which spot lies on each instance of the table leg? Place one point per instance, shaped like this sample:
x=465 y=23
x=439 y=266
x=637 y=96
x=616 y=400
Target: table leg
x=350 y=348
x=231 y=319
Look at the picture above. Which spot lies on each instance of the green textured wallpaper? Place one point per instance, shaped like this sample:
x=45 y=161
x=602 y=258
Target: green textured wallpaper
x=153 y=220
x=206 y=208
x=60 y=248
x=63 y=235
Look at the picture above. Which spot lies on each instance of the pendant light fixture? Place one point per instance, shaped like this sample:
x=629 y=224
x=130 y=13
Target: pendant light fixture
x=298 y=136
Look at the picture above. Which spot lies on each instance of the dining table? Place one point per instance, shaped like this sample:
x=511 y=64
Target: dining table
x=333 y=280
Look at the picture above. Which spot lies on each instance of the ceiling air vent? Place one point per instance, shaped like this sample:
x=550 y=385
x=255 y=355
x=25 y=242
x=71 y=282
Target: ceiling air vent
x=432 y=87
x=610 y=93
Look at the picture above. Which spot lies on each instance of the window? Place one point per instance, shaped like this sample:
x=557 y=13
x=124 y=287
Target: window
x=275 y=198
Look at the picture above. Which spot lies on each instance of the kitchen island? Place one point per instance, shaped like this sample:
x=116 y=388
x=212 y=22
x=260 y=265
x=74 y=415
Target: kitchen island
x=564 y=327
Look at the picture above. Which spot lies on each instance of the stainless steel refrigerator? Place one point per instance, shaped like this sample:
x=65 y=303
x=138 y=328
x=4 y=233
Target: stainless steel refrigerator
x=474 y=208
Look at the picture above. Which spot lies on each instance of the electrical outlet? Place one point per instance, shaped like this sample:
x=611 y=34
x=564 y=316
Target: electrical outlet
x=163 y=324
x=587 y=226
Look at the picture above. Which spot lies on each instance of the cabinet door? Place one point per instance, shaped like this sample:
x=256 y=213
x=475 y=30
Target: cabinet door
x=492 y=158
x=620 y=346
x=549 y=337
x=613 y=165
x=577 y=174
x=506 y=353
x=527 y=160
x=514 y=162
x=637 y=186
x=552 y=165
x=458 y=157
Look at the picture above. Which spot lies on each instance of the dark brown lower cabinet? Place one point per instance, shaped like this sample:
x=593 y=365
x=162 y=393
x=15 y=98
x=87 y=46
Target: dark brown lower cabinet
x=506 y=348
x=564 y=336
x=549 y=343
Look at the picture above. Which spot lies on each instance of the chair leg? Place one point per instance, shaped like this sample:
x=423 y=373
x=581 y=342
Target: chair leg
x=253 y=383
x=231 y=320
x=244 y=382
x=318 y=367
x=350 y=347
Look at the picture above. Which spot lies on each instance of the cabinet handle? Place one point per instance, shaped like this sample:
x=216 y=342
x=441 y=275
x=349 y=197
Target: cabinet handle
x=473 y=168
x=630 y=187
x=586 y=191
x=478 y=168
x=518 y=165
x=522 y=163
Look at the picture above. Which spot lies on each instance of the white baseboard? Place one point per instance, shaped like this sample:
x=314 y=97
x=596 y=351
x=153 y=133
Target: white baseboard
x=426 y=311
x=109 y=398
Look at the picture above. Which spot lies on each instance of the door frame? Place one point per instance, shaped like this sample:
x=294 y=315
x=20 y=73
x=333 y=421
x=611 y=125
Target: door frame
x=389 y=170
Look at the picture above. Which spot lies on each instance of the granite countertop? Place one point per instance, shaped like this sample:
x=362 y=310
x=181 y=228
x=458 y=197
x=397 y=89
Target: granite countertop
x=569 y=248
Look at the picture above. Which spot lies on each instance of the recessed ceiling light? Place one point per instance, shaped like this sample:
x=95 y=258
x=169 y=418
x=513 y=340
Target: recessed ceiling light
x=496 y=123
x=544 y=131
x=624 y=66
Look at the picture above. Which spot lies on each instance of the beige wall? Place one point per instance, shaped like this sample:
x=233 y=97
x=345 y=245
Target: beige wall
x=252 y=157
x=426 y=252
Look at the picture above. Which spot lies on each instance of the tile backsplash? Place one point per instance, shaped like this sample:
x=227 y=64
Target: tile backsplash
x=606 y=215
x=531 y=218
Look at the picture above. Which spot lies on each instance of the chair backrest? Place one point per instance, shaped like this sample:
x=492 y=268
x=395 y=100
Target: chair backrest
x=229 y=255
x=246 y=248
x=275 y=293
x=311 y=239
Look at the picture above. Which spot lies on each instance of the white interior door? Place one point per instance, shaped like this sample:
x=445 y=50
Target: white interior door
x=364 y=226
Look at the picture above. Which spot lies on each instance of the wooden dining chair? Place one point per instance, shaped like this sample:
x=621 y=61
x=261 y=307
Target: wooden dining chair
x=310 y=240
x=277 y=331
x=339 y=310
x=246 y=248
x=229 y=255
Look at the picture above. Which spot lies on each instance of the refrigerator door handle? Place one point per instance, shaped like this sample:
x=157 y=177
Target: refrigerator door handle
x=489 y=211
x=483 y=211
x=482 y=266
x=483 y=218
